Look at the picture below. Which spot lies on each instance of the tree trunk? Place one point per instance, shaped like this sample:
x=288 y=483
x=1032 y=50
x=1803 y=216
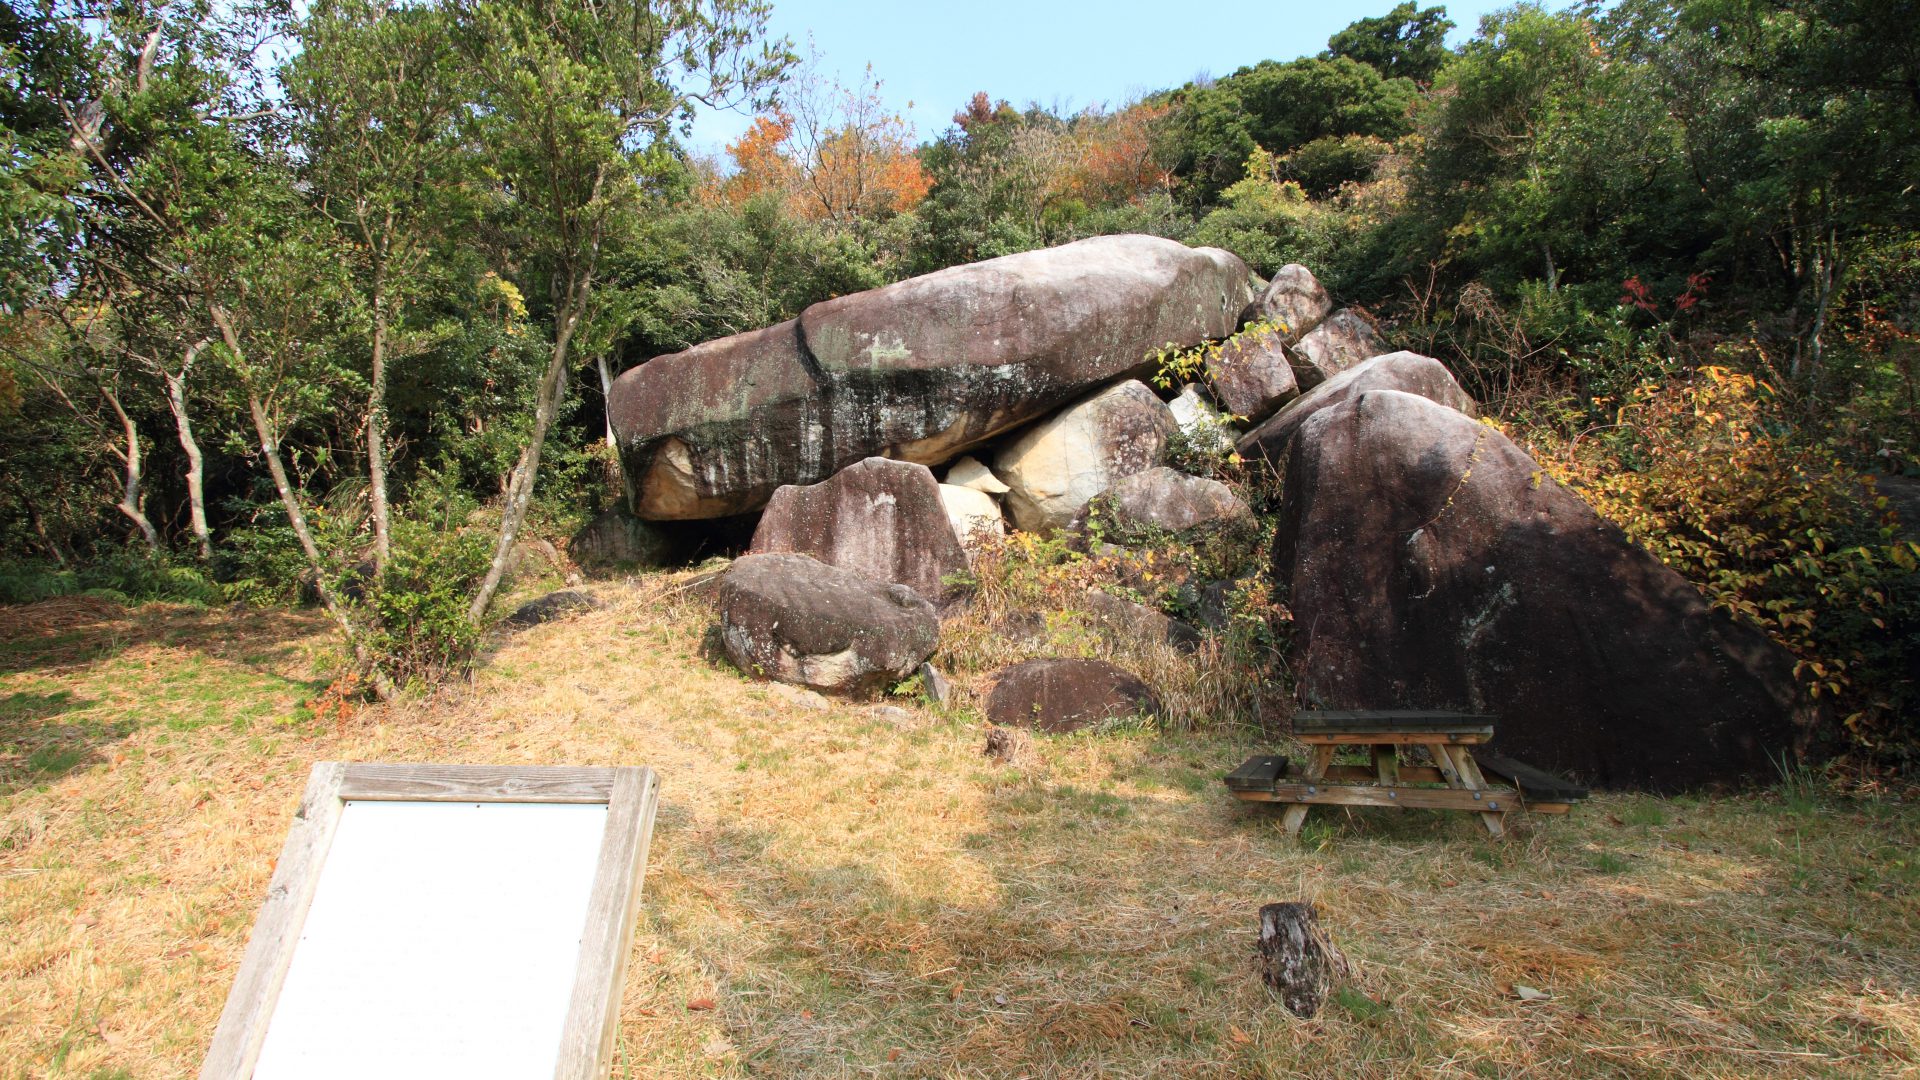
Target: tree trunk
x=376 y=429
x=196 y=463
x=131 y=497
x=1297 y=959
x=290 y=501
x=606 y=396
x=553 y=387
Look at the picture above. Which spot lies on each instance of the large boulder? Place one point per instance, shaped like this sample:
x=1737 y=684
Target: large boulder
x=1295 y=300
x=1163 y=502
x=1066 y=695
x=1252 y=375
x=1431 y=563
x=1053 y=469
x=1337 y=344
x=1405 y=371
x=797 y=620
x=881 y=519
x=919 y=370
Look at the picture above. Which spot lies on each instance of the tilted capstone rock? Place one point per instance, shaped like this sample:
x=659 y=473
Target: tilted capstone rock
x=920 y=370
x=882 y=519
x=1405 y=371
x=797 y=620
x=1056 y=466
x=1430 y=564
x=1340 y=342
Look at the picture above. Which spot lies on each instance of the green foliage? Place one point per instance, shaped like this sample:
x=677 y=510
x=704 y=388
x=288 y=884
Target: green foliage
x=1408 y=42
x=418 y=609
x=1775 y=530
x=128 y=577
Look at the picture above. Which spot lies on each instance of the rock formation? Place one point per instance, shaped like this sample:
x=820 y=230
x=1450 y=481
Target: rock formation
x=1406 y=371
x=1251 y=375
x=1162 y=502
x=1337 y=344
x=1295 y=300
x=1066 y=695
x=919 y=370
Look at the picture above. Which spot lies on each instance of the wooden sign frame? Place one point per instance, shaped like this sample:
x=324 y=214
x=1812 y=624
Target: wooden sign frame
x=593 y=1012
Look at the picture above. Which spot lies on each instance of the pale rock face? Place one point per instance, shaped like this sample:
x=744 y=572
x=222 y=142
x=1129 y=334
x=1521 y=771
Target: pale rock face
x=1404 y=371
x=1055 y=468
x=1199 y=421
x=968 y=472
x=974 y=514
x=920 y=370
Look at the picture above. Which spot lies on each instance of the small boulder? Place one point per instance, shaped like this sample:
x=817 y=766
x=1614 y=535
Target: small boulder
x=968 y=472
x=882 y=519
x=1059 y=464
x=618 y=539
x=1408 y=372
x=1066 y=695
x=936 y=686
x=1251 y=374
x=1294 y=299
x=1337 y=344
x=1161 y=501
x=975 y=514
x=1124 y=618
x=554 y=605
x=794 y=619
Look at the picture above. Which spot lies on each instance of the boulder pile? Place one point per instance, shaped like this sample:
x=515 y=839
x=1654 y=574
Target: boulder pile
x=1428 y=562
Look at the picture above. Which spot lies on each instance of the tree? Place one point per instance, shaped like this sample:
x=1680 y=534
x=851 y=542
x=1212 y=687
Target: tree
x=574 y=103
x=375 y=101
x=1408 y=42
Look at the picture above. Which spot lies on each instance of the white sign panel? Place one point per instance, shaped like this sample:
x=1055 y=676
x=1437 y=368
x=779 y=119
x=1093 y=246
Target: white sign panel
x=458 y=919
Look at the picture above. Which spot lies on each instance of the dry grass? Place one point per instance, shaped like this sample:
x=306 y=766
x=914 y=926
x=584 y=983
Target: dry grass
x=857 y=894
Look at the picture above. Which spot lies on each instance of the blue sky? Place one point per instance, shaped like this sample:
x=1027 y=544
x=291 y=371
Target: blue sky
x=1070 y=54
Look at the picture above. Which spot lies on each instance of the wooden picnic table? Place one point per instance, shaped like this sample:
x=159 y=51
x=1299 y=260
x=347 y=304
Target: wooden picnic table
x=1454 y=781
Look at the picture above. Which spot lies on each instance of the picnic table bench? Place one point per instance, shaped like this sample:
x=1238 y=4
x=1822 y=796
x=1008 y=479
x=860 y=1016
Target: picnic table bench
x=1457 y=779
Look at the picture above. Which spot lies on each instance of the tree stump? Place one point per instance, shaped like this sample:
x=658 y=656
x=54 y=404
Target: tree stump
x=1297 y=959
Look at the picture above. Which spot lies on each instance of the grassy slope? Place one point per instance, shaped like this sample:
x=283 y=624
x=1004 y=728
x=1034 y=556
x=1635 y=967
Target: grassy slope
x=855 y=893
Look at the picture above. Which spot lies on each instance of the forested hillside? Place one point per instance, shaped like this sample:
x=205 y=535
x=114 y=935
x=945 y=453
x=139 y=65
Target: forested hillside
x=321 y=306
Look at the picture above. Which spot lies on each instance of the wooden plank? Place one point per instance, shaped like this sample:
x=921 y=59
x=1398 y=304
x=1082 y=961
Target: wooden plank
x=1367 y=774
x=1386 y=765
x=1257 y=773
x=263 y=968
x=1535 y=784
x=1301 y=795
x=1361 y=720
x=593 y=1016
x=478 y=783
x=1456 y=735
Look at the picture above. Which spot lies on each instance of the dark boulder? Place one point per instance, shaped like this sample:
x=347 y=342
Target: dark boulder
x=1406 y=371
x=1251 y=374
x=878 y=518
x=1338 y=343
x=1137 y=622
x=1431 y=563
x=554 y=605
x=919 y=370
x=797 y=620
x=616 y=538
x=1066 y=695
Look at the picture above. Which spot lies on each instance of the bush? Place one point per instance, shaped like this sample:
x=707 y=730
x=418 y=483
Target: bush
x=1774 y=528
x=129 y=577
x=418 y=610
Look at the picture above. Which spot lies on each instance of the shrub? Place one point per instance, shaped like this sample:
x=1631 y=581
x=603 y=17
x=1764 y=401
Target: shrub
x=1774 y=528
x=418 y=610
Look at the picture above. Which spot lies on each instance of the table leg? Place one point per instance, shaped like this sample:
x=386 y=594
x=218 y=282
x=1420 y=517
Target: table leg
x=1386 y=764
x=1296 y=814
x=1469 y=779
